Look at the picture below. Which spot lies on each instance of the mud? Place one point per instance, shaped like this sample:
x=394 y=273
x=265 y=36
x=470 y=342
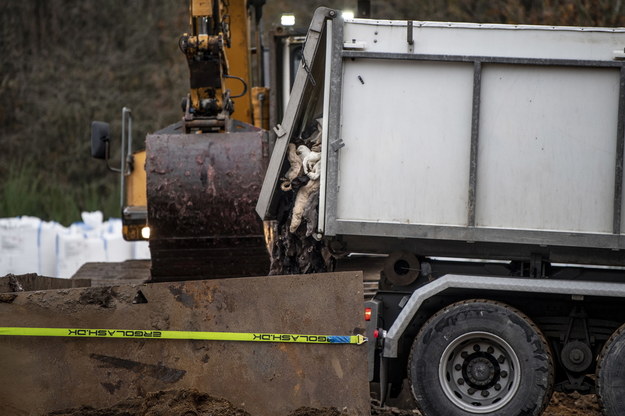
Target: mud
x=573 y=404
x=162 y=403
x=309 y=411
x=188 y=402
x=193 y=403
x=32 y=281
x=561 y=404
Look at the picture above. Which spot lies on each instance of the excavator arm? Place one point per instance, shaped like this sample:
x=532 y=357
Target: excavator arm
x=204 y=49
x=204 y=173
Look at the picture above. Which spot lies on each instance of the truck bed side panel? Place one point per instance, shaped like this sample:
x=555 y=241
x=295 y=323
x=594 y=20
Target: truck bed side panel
x=480 y=134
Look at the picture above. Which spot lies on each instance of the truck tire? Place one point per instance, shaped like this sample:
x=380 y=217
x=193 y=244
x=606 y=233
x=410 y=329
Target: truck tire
x=480 y=357
x=611 y=375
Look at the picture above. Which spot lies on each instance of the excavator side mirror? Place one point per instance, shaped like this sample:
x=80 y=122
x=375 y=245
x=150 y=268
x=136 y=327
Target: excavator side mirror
x=100 y=139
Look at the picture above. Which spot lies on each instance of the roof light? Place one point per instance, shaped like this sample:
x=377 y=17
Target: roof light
x=348 y=15
x=368 y=313
x=287 y=19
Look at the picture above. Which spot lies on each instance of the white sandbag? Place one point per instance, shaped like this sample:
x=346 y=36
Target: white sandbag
x=47 y=247
x=19 y=251
x=91 y=225
x=116 y=248
x=93 y=220
x=74 y=248
x=29 y=245
x=141 y=250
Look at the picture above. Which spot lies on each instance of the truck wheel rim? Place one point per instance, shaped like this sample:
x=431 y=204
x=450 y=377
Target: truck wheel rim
x=479 y=372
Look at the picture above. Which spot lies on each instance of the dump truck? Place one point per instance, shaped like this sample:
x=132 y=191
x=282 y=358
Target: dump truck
x=485 y=161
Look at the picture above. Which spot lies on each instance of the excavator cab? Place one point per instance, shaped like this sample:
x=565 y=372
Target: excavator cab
x=133 y=200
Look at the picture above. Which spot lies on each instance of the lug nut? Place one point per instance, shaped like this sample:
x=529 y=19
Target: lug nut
x=497 y=386
x=471 y=391
x=460 y=381
x=504 y=374
x=476 y=347
x=485 y=393
x=464 y=354
x=457 y=367
x=490 y=350
x=501 y=359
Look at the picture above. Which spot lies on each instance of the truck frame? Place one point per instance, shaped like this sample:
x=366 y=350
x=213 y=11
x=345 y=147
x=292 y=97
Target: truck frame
x=486 y=162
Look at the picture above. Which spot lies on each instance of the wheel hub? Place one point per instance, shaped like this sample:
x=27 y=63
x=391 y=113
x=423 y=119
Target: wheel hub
x=479 y=372
x=576 y=356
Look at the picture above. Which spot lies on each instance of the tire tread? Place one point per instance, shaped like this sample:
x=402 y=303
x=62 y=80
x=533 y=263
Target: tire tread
x=536 y=329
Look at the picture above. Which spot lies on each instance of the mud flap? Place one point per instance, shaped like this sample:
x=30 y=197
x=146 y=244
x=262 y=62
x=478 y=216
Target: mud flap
x=266 y=379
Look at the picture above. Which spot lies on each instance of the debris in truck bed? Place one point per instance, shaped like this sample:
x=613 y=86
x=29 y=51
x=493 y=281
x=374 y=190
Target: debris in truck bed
x=294 y=249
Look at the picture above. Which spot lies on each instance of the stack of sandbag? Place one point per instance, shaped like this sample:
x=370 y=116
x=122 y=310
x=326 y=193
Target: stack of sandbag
x=30 y=245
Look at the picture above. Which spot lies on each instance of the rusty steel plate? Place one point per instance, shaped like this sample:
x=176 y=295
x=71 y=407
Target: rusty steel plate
x=43 y=374
x=202 y=191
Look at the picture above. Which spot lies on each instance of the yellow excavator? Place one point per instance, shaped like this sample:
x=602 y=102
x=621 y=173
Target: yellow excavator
x=193 y=190
x=192 y=193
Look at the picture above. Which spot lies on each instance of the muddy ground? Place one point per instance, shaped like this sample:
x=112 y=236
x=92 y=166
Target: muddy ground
x=194 y=403
x=573 y=404
x=188 y=403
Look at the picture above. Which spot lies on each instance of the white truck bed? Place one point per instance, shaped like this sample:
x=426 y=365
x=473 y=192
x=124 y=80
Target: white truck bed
x=480 y=140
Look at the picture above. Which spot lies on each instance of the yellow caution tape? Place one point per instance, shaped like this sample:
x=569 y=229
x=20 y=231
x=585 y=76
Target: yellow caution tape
x=199 y=335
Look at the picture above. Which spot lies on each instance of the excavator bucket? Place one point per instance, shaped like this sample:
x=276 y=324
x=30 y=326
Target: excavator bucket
x=49 y=374
x=201 y=191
